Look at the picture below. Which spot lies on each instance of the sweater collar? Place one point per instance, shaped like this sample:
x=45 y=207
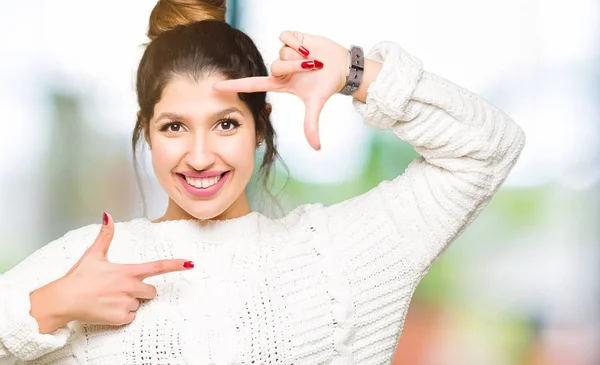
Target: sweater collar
x=218 y=230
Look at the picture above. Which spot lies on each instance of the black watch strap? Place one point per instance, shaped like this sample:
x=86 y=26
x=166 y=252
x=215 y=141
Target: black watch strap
x=355 y=76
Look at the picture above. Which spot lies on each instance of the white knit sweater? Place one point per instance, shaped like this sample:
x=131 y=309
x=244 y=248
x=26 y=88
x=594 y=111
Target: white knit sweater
x=324 y=285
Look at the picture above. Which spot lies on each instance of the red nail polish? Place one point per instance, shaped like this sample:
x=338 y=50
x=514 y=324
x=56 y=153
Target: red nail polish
x=308 y=65
x=304 y=51
x=105 y=218
x=188 y=265
x=318 y=65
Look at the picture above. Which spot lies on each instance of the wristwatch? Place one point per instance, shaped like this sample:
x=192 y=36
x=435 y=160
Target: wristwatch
x=357 y=65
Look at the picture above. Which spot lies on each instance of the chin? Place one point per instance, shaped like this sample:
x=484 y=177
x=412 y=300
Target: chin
x=189 y=202
x=186 y=202
x=203 y=210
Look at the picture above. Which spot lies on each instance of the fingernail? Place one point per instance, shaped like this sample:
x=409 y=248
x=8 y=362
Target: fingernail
x=105 y=219
x=308 y=65
x=304 y=51
x=188 y=265
x=318 y=65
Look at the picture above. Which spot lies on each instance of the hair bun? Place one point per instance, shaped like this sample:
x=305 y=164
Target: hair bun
x=167 y=14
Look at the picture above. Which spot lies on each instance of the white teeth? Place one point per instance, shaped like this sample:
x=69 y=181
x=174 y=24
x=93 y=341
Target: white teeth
x=204 y=182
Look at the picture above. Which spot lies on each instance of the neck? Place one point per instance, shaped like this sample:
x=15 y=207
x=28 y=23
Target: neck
x=239 y=208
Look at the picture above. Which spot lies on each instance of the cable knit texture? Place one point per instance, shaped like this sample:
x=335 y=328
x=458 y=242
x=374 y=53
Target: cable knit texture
x=323 y=285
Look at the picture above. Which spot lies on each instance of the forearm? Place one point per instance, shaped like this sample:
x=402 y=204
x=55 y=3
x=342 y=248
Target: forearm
x=31 y=316
x=440 y=119
x=458 y=131
x=433 y=92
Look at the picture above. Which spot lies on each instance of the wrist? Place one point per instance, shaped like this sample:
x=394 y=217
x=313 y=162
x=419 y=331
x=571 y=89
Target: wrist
x=48 y=309
x=370 y=73
x=353 y=70
x=347 y=68
x=345 y=73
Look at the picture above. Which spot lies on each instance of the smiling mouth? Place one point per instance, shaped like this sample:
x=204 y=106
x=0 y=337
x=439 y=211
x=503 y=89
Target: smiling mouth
x=203 y=183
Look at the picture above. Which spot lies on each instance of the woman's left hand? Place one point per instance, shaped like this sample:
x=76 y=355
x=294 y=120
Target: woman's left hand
x=294 y=72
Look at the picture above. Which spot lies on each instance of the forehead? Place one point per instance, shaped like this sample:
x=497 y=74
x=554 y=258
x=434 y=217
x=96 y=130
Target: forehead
x=189 y=97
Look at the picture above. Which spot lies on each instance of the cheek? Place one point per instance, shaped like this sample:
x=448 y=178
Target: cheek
x=238 y=152
x=165 y=153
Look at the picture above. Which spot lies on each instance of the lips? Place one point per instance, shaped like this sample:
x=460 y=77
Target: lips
x=203 y=185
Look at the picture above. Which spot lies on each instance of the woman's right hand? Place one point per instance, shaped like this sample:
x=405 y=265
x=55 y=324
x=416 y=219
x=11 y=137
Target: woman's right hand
x=96 y=291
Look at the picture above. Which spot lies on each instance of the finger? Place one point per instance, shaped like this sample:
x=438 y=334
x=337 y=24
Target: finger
x=248 y=84
x=294 y=41
x=124 y=318
x=311 y=122
x=160 y=267
x=281 y=68
x=288 y=54
x=107 y=231
x=135 y=305
x=144 y=291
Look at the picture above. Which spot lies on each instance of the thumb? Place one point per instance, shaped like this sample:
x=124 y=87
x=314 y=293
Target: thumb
x=100 y=246
x=312 y=113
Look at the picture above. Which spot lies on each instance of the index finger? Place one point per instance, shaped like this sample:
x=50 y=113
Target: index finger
x=248 y=84
x=159 y=267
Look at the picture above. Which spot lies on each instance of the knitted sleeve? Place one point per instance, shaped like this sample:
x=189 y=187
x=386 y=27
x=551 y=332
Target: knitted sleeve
x=386 y=239
x=467 y=148
x=19 y=333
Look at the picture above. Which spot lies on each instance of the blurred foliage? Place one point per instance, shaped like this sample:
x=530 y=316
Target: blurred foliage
x=380 y=166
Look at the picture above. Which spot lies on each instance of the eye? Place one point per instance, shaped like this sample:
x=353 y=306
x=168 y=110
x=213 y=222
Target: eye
x=174 y=127
x=227 y=125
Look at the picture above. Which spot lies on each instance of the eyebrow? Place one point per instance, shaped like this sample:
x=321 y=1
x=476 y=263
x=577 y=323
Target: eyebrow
x=218 y=115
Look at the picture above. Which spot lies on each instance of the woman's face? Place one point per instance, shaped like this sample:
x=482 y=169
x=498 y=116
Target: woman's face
x=203 y=145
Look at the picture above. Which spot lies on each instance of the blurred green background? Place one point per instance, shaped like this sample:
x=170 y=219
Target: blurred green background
x=520 y=286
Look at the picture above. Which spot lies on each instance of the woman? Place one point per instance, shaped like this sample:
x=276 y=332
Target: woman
x=321 y=285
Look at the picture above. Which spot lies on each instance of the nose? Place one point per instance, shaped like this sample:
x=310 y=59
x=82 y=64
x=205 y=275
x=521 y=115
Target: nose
x=201 y=154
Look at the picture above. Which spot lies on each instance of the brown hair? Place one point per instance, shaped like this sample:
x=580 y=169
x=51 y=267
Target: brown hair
x=167 y=14
x=200 y=49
